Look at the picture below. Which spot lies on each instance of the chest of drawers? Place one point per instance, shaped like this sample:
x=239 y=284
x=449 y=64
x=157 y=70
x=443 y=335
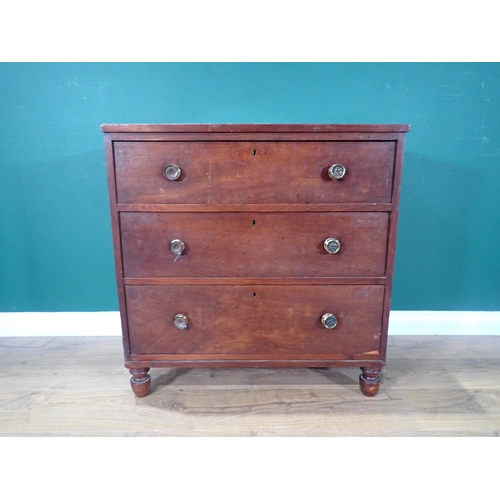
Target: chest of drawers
x=254 y=245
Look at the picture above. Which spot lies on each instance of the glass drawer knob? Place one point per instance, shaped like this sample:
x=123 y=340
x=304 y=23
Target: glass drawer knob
x=332 y=245
x=329 y=320
x=172 y=172
x=177 y=247
x=336 y=171
x=181 y=321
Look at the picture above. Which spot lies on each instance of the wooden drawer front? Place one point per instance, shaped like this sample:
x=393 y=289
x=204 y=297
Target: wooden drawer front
x=254 y=172
x=270 y=322
x=254 y=245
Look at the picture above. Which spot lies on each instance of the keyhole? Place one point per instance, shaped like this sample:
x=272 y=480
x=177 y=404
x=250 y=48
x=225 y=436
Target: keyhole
x=254 y=294
x=254 y=222
x=255 y=152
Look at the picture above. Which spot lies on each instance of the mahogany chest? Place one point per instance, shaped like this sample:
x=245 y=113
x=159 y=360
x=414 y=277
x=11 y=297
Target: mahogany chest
x=254 y=245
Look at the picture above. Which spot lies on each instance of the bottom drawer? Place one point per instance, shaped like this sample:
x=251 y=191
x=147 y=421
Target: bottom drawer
x=268 y=322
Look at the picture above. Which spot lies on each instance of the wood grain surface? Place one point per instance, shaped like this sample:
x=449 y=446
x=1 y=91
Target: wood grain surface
x=256 y=207
x=254 y=202
x=431 y=386
x=254 y=172
x=254 y=244
x=252 y=127
x=264 y=322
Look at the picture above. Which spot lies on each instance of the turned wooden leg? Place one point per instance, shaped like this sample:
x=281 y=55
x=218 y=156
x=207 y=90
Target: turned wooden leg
x=140 y=381
x=369 y=381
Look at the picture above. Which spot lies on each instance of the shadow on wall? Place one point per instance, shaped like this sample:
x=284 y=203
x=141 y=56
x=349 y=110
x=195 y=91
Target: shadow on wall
x=448 y=237
x=57 y=236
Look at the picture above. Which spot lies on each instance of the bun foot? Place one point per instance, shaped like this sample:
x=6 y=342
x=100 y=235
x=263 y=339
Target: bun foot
x=140 y=381
x=369 y=381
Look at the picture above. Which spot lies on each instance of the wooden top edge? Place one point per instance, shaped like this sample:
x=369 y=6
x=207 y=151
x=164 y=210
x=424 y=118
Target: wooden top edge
x=267 y=127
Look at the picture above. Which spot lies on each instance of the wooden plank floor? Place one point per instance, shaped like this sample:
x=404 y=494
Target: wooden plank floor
x=431 y=386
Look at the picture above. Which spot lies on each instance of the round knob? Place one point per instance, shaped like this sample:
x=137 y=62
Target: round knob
x=177 y=247
x=181 y=321
x=329 y=320
x=172 y=172
x=336 y=171
x=332 y=245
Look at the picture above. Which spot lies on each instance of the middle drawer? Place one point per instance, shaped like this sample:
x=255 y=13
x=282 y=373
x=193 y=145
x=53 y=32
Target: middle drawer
x=255 y=245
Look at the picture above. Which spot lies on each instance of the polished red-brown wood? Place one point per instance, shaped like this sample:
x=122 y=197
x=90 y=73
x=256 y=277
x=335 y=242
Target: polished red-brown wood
x=140 y=381
x=264 y=280
x=216 y=172
x=255 y=207
x=269 y=322
x=251 y=136
x=369 y=380
x=253 y=128
x=277 y=176
x=115 y=225
x=391 y=243
x=251 y=361
x=254 y=244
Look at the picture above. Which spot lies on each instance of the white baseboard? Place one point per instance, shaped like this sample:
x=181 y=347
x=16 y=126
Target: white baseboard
x=60 y=324
x=444 y=323
x=76 y=324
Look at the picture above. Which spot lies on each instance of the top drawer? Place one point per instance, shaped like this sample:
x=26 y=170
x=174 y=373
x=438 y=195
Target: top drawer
x=254 y=172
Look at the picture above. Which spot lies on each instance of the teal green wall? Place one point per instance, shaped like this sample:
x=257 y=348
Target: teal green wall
x=55 y=238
